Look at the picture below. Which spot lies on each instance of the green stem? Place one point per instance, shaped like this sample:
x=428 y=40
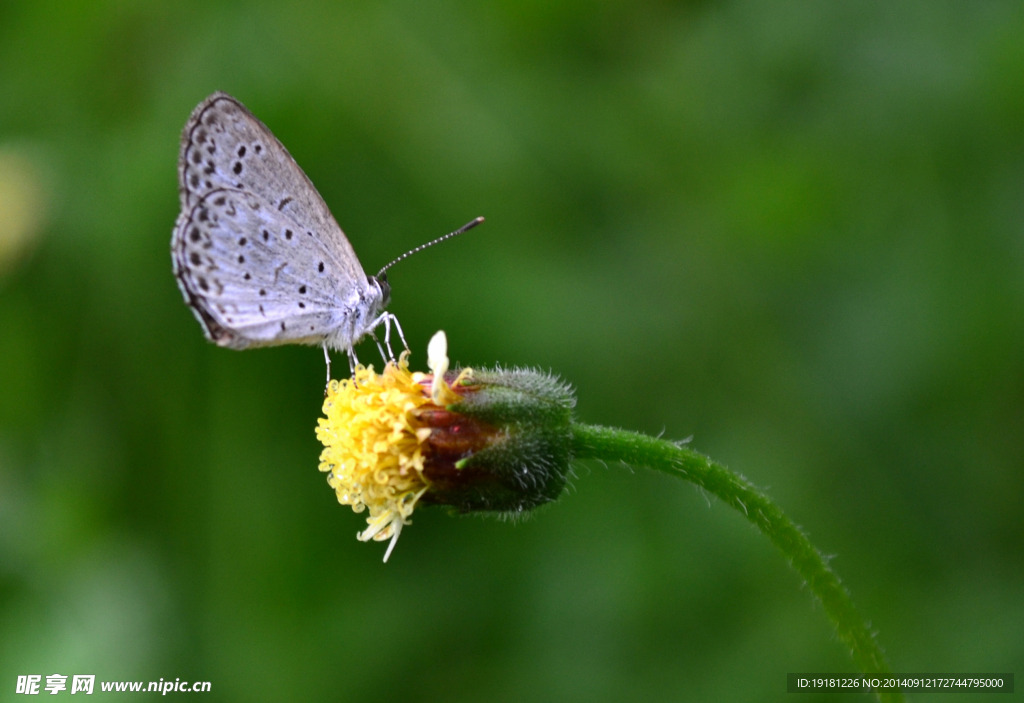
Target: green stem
x=591 y=442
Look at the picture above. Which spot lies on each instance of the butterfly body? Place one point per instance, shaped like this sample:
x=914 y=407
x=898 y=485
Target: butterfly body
x=257 y=254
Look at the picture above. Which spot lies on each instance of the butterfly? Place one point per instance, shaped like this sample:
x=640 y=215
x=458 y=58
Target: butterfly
x=257 y=254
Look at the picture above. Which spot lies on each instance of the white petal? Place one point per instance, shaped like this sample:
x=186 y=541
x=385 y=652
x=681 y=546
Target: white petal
x=394 y=539
x=437 y=360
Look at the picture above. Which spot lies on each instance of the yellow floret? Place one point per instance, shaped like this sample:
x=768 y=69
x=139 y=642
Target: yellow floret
x=374 y=446
x=374 y=443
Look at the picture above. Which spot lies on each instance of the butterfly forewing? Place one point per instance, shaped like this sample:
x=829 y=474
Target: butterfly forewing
x=223 y=145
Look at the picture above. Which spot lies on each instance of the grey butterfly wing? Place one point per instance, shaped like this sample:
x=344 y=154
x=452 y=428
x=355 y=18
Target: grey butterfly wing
x=254 y=277
x=223 y=145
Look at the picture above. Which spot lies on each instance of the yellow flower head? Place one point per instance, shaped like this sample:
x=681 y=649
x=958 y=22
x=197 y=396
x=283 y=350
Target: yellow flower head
x=375 y=436
x=500 y=443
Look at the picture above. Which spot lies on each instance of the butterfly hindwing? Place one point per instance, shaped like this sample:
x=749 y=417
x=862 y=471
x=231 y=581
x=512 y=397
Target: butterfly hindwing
x=253 y=277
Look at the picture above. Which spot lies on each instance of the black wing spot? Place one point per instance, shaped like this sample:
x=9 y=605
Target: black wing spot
x=201 y=136
x=197 y=156
x=247 y=276
x=242 y=242
x=209 y=185
x=263 y=291
x=203 y=284
x=302 y=290
x=287 y=234
x=266 y=235
x=195 y=258
x=203 y=216
x=212 y=148
x=241 y=259
x=284 y=201
x=262 y=312
x=283 y=328
x=258 y=148
x=194 y=236
x=309 y=232
x=211 y=120
x=321 y=267
x=219 y=201
x=238 y=167
x=194 y=180
x=302 y=305
x=241 y=151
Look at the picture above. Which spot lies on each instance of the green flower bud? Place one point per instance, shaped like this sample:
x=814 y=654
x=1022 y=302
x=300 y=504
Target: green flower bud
x=503 y=446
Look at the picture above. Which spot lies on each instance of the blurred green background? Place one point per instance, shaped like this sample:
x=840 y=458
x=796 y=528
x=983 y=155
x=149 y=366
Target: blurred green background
x=793 y=230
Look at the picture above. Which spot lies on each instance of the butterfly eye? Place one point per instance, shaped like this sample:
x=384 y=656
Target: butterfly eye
x=385 y=288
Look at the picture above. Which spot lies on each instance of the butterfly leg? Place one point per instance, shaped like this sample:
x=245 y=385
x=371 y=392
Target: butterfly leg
x=380 y=348
x=401 y=335
x=387 y=333
x=384 y=319
x=327 y=358
x=352 y=361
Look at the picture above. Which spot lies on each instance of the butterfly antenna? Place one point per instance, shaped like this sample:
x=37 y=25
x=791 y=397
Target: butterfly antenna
x=464 y=228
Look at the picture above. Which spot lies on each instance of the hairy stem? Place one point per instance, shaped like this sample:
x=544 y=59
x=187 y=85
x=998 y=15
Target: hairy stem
x=592 y=442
